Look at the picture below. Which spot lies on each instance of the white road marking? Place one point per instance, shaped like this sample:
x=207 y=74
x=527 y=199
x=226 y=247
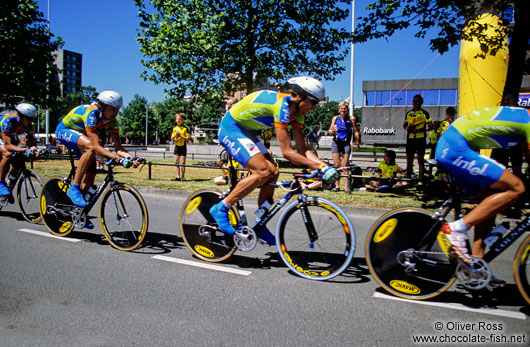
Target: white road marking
x=494 y=312
x=203 y=265
x=42 y=233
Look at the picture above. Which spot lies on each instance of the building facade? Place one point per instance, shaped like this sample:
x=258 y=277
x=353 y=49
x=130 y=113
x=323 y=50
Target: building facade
x=69 y=66
x=386 y=102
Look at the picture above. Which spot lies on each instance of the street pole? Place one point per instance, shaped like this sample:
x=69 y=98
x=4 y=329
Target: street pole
x=47 y=86
x=352 y=55
x=146 y=125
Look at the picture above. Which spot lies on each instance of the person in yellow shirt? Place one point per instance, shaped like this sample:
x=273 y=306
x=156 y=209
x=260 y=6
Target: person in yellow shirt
x=387 y=170
x=417 y=123
x=181 y=137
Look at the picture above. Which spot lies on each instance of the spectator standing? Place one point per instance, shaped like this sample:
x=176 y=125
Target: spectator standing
x=312 y=139
x=343 y=128
x=181 y=137
x=266 y=136
x=417 y=122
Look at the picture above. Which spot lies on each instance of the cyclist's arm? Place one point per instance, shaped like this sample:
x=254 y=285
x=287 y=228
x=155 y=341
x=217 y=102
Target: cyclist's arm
x=9 y=145
x=118 y=146
x=94 y=140
x=311 y=161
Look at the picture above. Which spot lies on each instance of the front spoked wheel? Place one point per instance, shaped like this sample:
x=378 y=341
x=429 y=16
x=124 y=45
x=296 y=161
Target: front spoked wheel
x=56 y=207
x=199 y=230
x=28 y=191
x=401 y=262
x=124 y=217
x=316 y=240
x=521 y=269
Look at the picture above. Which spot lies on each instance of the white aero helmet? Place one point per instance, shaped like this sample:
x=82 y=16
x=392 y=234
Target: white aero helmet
x=111 y=98
x=27 y=110
x=308 y=86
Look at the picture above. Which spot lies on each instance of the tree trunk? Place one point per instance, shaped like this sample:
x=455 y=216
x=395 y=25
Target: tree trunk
x=517 y=49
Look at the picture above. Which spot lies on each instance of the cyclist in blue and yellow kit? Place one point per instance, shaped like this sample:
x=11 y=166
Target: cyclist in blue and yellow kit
x=493 y=127
x=237 y=134
x=79 y=132
x=12 y=125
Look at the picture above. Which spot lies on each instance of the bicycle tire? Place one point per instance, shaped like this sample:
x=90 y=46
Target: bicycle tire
x=401 y=230
x=124 y=217
x=324 y=258
x=521 y=269
x=28 y=191
x=53 y=193
x=195 y=213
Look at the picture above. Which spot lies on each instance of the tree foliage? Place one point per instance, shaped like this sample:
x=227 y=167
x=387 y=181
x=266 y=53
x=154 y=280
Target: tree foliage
x=27 y=62
x=448 y=18
x=132 y=120
x=211 y=47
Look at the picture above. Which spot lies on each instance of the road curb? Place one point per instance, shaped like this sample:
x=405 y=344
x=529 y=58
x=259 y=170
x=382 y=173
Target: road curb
x=252 y=201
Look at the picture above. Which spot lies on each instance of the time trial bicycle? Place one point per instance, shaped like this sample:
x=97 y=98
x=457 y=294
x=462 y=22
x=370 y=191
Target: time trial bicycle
x=27 y=190
x=315 y=237
x=123 y=213
x=410 y=257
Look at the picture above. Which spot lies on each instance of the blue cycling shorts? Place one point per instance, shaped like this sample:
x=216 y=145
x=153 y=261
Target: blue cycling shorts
x=241 y=143
x=68 y=137
x=472 y=170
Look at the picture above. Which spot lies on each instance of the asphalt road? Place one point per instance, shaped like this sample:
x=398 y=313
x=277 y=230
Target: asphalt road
x=56 y=292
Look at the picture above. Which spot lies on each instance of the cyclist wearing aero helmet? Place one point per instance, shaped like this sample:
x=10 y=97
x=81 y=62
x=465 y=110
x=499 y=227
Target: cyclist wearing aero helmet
x=493 y=127
x=237 y=134
x=13 y=125
x=79 y=131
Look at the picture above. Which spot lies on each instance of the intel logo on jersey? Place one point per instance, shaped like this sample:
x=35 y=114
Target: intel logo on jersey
x=470 y=166
x=231 y=145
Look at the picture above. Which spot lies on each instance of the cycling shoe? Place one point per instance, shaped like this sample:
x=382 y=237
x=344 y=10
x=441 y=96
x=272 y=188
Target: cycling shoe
x=76 y=196
x=4 y=191
x=219 y=212
x=265 y=235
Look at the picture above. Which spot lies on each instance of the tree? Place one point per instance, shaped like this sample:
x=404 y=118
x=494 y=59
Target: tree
x=449 y=18
x=207 y=47
x=61 y=105
x=132 y=120
x=322 y=116
x=26 y=65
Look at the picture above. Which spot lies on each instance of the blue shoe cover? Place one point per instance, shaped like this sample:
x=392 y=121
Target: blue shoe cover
x=76 y=196
x=219 y=212
x=265 y=235
x=4 y=191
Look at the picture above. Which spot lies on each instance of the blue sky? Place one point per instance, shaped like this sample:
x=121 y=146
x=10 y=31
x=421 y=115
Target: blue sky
x=104 y=32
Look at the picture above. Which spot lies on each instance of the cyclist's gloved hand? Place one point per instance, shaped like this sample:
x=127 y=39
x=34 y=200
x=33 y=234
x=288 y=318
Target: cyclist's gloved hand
x=126 y=162
x=329 y=173
x=44 y=151
x=140 y=160
x=30 y=153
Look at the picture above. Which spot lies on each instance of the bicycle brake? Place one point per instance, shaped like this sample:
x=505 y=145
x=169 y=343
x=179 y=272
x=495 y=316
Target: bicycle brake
x=245 y=239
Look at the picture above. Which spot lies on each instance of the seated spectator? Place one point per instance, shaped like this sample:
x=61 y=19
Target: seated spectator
x=387 y=170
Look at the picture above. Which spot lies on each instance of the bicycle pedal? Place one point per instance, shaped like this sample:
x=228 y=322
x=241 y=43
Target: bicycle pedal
x=245 y=238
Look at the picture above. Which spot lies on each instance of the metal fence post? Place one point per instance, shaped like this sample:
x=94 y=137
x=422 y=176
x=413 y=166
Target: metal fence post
x=149 y=170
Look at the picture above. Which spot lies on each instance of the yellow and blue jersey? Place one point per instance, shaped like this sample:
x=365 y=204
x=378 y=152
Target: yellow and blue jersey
x=86 y=118
x=265 y=109
x=11 y=126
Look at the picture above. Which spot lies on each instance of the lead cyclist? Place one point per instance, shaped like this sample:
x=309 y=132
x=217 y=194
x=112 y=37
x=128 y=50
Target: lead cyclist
x=238 y=135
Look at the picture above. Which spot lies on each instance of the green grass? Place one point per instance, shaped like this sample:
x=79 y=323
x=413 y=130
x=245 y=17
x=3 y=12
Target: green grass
x=202 y=178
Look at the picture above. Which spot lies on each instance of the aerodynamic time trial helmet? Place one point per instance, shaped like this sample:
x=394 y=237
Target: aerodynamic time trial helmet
x=110 y=98
x=308 y=86
x=27 y=110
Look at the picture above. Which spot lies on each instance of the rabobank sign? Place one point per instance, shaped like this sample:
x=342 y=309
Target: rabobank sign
x=379 y=131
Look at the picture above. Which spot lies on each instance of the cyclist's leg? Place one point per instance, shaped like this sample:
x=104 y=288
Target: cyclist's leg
x=246 y=149
x=511 y=189
x=4 y=168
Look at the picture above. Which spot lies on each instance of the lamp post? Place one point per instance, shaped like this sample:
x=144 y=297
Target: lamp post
x=146 y=128
x=352 y=56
